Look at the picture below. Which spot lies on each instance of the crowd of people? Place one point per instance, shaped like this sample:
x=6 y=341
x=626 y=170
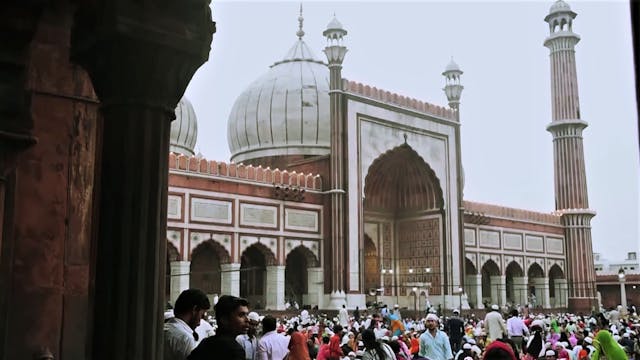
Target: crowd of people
x=236 y=333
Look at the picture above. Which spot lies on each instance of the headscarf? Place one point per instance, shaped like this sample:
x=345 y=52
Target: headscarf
x=606 y=346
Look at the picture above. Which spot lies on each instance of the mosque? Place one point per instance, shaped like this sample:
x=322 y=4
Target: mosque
x=338 y=192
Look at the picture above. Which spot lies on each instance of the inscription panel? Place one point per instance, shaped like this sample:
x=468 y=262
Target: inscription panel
x=513 y=241
x=534 y=243
x=211 y=211
x=174 y=207
x=469 y=237
x=258 y=215
x=489 y=239
x=304 y=220
x=419 y=249
x=555 y=245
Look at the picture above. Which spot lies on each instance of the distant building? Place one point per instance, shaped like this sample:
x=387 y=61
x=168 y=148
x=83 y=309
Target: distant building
x=604 y=266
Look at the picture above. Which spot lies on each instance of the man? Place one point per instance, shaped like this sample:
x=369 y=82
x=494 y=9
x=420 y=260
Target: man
x=180 y=337
x=494 y=323
x=343 y=316
x=273 y=345
x=516 y=329
x=232 y=319
x=249 y=341
x=434 y=344
x=455 y=329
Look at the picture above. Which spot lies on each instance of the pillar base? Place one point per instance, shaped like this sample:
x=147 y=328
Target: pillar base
x=582 y=305
x=337 y=299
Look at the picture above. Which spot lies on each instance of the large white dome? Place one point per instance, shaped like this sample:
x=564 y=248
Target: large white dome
x=184 y=129
x=283 y=112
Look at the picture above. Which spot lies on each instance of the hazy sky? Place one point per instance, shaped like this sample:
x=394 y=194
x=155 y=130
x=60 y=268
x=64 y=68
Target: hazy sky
x=505 y=107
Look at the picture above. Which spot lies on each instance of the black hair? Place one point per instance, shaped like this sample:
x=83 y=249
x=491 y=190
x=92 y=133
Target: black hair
x=227 y=304
x=268 y=323
x=326 y=339
x=190 y=298
x=370 y=343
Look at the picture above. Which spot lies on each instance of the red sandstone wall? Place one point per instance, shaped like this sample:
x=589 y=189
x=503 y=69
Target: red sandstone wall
x=50 y=267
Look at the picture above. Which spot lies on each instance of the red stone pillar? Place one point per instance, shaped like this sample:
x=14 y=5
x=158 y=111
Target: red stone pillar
x=140 y=56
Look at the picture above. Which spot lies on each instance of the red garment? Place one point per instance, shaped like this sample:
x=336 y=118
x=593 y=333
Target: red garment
x=415 y=345
x=298 y=349
x=335 y=352
x=323 y=352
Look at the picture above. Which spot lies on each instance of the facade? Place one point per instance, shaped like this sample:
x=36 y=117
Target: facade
x=342 y=193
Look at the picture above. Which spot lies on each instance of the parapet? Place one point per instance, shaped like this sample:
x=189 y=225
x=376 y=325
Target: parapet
x=232 y=171
x=511 y=213
x=400 y=100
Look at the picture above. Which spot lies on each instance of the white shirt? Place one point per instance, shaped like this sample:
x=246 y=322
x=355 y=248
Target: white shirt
x=343 y=316
x=273 y=346
x=204 y=330
x=249 y=345
x=178 y=339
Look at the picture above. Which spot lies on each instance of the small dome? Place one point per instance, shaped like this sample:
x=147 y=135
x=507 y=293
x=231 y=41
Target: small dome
x=452 y=66
x=335 y=25
x=283 y=112
x=559 y=6
x=184 y=129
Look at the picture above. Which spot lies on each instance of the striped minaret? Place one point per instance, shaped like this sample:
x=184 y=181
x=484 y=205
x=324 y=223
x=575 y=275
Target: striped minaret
x=568 y=154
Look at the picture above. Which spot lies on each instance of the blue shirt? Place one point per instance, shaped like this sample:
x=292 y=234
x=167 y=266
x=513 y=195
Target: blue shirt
x=435 y=347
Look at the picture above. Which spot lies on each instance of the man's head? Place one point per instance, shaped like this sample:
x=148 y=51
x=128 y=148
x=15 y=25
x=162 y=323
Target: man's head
x=432 y=321
x=254 y=321
x=269 y=323
x=231 y=314
x=191 y=306
x=456 y=312
x=337 y=329
x=550 y=355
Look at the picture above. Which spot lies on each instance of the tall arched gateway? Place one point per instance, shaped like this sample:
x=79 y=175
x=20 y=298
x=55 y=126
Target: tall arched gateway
x=403 y=207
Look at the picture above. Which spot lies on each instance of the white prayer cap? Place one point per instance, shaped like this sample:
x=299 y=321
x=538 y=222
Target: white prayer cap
x=550 y=353
x=495 y=307
x=466 y=346
x=433 y=317
x=253 y=316
x=588 y=340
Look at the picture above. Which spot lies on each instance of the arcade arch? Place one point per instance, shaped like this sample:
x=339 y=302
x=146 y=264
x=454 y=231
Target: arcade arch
x=299 y=260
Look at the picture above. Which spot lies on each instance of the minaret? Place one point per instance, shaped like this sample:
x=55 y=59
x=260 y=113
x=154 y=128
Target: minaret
x=568 y=154
x=453 y=90
x=335 y=51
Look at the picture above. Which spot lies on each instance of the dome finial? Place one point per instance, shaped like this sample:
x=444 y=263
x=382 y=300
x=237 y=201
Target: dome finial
x=300 y=32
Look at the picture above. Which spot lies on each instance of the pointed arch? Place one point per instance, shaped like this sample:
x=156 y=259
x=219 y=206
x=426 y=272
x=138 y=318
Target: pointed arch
x=469 y=268
x=309 y=256
x=269 y=257
x=515 y=292
x=401 y=179
x=295 y=273
x=206 y=259
x=172 y=252
x=489 y=270
x=535 y=271
x=212 y=245
x=253 y=273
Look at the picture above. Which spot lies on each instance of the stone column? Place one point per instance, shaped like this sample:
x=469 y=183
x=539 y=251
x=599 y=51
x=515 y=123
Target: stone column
x=140 y=57
x=179 y=279
x=560 y=289
x=520 y=290
x=499 y=289
x=315 y=287
x=541 y=285
x=275 y=288
x=230 y=281
x=478 y=283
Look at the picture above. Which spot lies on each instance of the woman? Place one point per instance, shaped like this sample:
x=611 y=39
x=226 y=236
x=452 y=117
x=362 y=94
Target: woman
x=298 y=349
x=375 y=350
x=535 y=346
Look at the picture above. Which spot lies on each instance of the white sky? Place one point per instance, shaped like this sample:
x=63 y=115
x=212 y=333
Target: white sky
x=505 y=107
